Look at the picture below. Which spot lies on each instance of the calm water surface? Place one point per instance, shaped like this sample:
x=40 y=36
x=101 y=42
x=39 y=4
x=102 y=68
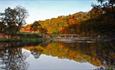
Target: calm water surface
x=57 y=56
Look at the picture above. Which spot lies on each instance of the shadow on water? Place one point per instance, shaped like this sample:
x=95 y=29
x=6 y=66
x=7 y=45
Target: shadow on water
x=99 y=54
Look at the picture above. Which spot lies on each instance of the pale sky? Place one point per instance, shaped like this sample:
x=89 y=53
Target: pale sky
x=46 y=9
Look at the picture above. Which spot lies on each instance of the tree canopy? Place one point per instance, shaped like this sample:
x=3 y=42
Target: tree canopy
x=105 y=3
x=99 y=20
x=13 y=19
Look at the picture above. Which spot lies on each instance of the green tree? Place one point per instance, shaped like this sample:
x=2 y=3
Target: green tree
x=36 y=26
x=14 y=19
x=2 y=27
x=104 y=3
x=100 y=1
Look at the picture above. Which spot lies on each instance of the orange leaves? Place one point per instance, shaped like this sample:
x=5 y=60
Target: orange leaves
x=61 y=24
x=26 y=28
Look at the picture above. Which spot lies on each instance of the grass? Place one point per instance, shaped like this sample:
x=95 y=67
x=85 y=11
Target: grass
x=31 y=39
x=24 y=37
x=21 y=40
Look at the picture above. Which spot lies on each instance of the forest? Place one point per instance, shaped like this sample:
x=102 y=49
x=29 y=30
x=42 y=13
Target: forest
x=80 y=38
x=100 y=20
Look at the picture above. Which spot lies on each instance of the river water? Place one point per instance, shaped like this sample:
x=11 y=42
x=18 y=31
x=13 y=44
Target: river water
x=57 y=56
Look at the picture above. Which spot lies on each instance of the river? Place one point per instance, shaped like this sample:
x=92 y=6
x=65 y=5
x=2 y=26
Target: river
x=57 y=56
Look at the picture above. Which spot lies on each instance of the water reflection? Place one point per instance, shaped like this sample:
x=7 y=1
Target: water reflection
x=12 y=58
x=36 y=53
x=101 y=55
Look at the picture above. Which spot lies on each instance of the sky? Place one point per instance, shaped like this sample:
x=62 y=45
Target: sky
x=46 y=9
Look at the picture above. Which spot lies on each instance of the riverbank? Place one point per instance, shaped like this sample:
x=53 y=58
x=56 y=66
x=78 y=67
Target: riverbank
x=85 y=39
x=22 y=37
x=21 y=40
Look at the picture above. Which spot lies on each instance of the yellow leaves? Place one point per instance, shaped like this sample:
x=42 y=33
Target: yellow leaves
x=96 y=61
x=53 y=24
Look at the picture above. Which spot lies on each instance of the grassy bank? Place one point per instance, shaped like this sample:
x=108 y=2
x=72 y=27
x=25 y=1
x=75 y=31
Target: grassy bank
x=31 y=40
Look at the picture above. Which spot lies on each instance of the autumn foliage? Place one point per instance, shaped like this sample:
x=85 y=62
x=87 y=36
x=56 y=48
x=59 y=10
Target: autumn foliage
x=99 y=20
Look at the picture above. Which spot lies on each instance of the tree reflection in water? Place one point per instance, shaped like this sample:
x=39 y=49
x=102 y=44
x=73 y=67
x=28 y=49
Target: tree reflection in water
x=104 y=52
x=36 y=53
x=12 y=59
x=98 y=54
